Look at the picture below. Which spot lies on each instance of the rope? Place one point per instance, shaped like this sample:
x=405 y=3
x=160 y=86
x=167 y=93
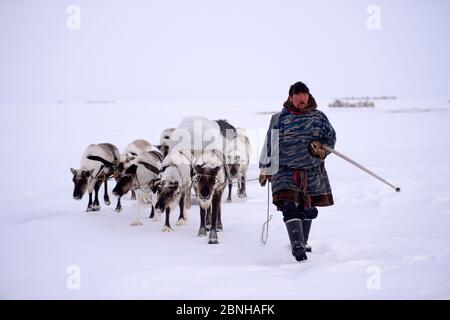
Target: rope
x=265 y=228
x=246 y=180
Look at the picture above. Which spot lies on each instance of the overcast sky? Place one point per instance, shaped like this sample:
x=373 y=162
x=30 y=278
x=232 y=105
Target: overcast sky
x=145 y=50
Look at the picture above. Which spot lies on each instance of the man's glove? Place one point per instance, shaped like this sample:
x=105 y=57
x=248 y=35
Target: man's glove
x=316 y=150
x=263 y=179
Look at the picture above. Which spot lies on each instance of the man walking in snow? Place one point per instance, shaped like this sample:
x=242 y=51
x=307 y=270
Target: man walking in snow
x=293 y=160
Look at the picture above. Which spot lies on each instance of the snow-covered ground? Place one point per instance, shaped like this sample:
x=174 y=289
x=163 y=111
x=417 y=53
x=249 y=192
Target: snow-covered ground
x=373 y=243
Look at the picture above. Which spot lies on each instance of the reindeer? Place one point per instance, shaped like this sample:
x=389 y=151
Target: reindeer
x=129 y=154
x=201 y=139
x=141 y=176
x=238 y=152
x=237 y=156
x=164 y=141
x=93 y=172
x=174 y=187
x=209 y=182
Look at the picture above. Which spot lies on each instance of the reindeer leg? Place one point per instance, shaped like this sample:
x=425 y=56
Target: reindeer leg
x=181 y=219
x=152 y=201
x=188 y=199
x=202 y=230
x=96 y=205
x=106 y=196
x=242 y=192
x=187 y=205
x=230 y=186
x=137 y=220
x=239 y=186
x=219 y=219
x=152 y=213
x=215 y=209
x=167 y=227
x=89 y=207
x=118 y=206
x=208 y=219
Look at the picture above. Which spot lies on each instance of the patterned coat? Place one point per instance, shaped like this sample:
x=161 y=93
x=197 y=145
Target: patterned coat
x=296 y=175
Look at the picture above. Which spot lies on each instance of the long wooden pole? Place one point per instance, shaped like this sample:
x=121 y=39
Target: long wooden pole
x=327 y=148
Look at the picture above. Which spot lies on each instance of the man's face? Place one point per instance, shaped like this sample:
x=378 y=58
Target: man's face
x=299 y=100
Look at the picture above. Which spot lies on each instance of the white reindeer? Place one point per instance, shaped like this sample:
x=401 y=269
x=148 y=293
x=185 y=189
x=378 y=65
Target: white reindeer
x=141 y=177
x=238 y=153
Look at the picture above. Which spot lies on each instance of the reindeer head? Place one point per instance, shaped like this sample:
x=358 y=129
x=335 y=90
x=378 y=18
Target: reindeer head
x=118 y=170
x=169 y=193
x=125 y=162
x=126 y=182
x=164 y=148
x=233 y=164
x=80 y=179
x=206 y=182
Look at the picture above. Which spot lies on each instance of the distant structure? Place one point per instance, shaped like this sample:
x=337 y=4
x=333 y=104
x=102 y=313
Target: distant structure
x=371 y=98
x=346 y=104
x=358 y=102
x=99 y=101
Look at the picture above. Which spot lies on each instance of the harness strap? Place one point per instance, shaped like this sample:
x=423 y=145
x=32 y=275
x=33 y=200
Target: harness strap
x=150 y=167
x=99 y=170
x=157 y=154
